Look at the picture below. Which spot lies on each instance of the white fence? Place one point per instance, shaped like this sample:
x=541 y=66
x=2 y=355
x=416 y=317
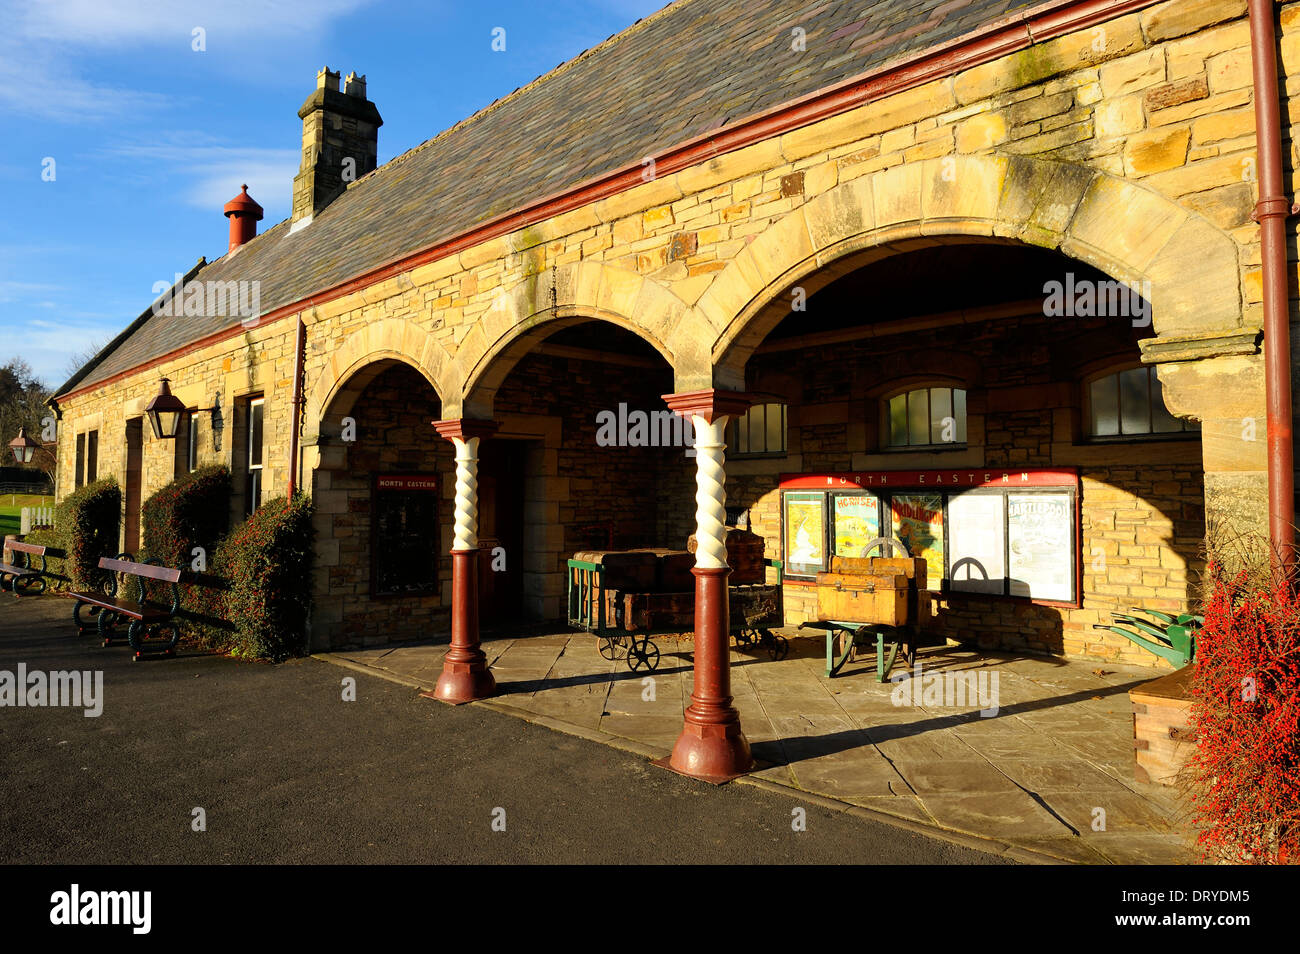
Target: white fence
x=35 y=518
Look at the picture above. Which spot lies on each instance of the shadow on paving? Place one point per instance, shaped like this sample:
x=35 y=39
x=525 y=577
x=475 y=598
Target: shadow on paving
x=287 y=772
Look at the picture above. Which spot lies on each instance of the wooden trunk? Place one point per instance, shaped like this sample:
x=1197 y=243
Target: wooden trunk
x=671 y=612
x=911 y=567
x=865 y=597
x=624 y=569
x=672 y=569
x=744 y=556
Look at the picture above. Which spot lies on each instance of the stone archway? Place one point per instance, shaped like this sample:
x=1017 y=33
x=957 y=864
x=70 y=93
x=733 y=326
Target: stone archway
x=391 y=338
x=1128 y=231
x=570 y=294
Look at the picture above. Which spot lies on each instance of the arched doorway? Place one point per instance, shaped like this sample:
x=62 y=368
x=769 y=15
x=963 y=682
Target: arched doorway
x=383 y=501
x=983 y=400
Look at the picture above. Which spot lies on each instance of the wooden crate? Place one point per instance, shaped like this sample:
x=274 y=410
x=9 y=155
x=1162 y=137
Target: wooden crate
x=744 y=556
x=911 y=567
x=885 y=598
x=673 y=612
x=624 y=569
x=672 y=569
x=1163 y=739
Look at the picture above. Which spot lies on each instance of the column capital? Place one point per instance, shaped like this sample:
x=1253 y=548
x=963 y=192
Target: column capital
x=710 y=403
x=464 y=428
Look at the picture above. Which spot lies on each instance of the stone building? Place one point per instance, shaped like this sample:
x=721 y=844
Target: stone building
x=981 y=273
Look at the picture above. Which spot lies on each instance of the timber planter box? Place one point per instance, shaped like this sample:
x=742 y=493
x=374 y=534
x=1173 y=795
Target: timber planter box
x=1163 y=739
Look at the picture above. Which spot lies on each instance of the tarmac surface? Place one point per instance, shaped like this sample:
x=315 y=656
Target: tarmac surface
x=287 y=772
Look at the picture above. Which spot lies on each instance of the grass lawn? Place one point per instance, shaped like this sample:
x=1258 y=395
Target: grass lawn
x=11 y=506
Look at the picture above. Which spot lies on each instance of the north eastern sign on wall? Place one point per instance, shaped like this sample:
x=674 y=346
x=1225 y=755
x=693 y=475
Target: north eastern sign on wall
x=406 y=482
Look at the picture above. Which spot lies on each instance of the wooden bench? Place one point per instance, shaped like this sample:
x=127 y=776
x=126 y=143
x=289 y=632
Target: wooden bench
x=148 y=619
x=21 y=572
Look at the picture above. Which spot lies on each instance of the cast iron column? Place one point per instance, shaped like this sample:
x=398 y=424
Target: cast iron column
x=465 y=675
x=712 y=746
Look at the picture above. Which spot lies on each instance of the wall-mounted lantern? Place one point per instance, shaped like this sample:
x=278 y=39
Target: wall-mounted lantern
x=23 y=447
x=165 y=412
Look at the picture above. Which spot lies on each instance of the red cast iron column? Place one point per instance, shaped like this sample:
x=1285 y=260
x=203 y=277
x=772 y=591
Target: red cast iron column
x=712 y=745
x=465 y=674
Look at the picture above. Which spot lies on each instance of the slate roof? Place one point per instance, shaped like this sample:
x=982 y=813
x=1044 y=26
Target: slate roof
x=688 y=69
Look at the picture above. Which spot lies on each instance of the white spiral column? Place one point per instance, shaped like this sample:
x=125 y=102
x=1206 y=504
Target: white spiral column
x=465 y=536
x=710 y=492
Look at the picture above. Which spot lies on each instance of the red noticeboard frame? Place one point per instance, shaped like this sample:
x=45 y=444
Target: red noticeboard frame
x=1004 y=478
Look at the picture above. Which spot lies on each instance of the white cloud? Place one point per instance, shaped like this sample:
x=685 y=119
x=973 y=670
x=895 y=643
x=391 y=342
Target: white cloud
x=214 y=170
x=112 y=22
x=45 y=45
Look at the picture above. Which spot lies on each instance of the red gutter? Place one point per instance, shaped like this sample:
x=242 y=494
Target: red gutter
x=299 y=347
x=1272 y=212
x=999 y=38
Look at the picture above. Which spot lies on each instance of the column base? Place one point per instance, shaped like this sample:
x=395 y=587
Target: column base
x=713 y=753
x=459 y=684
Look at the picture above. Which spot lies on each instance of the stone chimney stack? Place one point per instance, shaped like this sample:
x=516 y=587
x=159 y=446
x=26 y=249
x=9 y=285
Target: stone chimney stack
x=340 y=142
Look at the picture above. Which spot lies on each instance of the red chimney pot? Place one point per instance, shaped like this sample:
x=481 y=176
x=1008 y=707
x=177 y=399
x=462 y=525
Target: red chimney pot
x=244 y=214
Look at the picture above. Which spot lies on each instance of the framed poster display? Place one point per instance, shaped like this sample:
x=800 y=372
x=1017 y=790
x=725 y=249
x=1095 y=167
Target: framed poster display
x=918 y=525
x=856 y=522
x=977 y=530
x=804 y=532
x=1040 y=546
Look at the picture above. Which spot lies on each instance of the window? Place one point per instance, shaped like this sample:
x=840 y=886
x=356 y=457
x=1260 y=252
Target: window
x=79 y=471
x=92 y=457
x=253 y=441
x=1129 y=404
x=926 y=417
x=187 y=444
x=759 y=431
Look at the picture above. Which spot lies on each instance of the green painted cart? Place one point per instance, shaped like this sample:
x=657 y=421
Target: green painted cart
x=756 y=609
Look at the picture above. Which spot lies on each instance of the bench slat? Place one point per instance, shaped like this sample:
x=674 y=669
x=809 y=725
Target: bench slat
x=8 y=570
x=125 y=607
x=33 y=548
x=146 y=570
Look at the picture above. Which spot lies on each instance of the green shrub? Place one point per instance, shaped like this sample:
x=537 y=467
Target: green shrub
x=267 y=562
x=192 y=511
x=86 y=528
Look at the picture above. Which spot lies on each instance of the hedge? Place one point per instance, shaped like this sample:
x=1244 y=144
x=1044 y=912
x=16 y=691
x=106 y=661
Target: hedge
x=267 y=562
x=192 y=511
x=85 y=528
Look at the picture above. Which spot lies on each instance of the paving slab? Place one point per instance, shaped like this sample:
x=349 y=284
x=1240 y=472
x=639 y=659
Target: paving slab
x=1060 y=745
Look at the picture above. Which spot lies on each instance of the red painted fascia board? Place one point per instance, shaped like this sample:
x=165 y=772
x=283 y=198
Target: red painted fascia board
x=999 y=38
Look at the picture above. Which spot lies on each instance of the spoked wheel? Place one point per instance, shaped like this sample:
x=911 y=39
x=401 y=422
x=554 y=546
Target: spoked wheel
x=643 y=655
x=778 y=647
x=613 y=647
x=745 y=638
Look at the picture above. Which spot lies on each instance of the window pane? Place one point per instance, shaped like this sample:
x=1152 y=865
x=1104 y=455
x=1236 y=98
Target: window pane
x=898 y=421
x=959 y=412
x=1162 y=422
x=193 y=460
x=755 y=418
x=92 y=457
x=941 y=423
x=918 y=417
x=1105 y=406
x=255 y=434
x=1134 y=401
x=776 y=427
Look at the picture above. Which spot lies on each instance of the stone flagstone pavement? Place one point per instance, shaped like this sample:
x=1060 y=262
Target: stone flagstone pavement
x=1032 y=777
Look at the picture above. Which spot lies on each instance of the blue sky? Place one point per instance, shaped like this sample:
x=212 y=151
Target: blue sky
x=149 y=137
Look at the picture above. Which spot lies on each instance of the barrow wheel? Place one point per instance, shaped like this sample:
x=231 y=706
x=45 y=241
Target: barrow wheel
x=778 y=647
x=613 y=647
x=745 y=638
x=643 y=655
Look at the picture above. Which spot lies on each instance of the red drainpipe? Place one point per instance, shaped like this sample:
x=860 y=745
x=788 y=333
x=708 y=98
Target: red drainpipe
x=299 y=344
x=1271 y=213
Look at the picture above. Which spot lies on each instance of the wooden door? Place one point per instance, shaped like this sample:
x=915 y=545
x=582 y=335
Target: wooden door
x=131 y=497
